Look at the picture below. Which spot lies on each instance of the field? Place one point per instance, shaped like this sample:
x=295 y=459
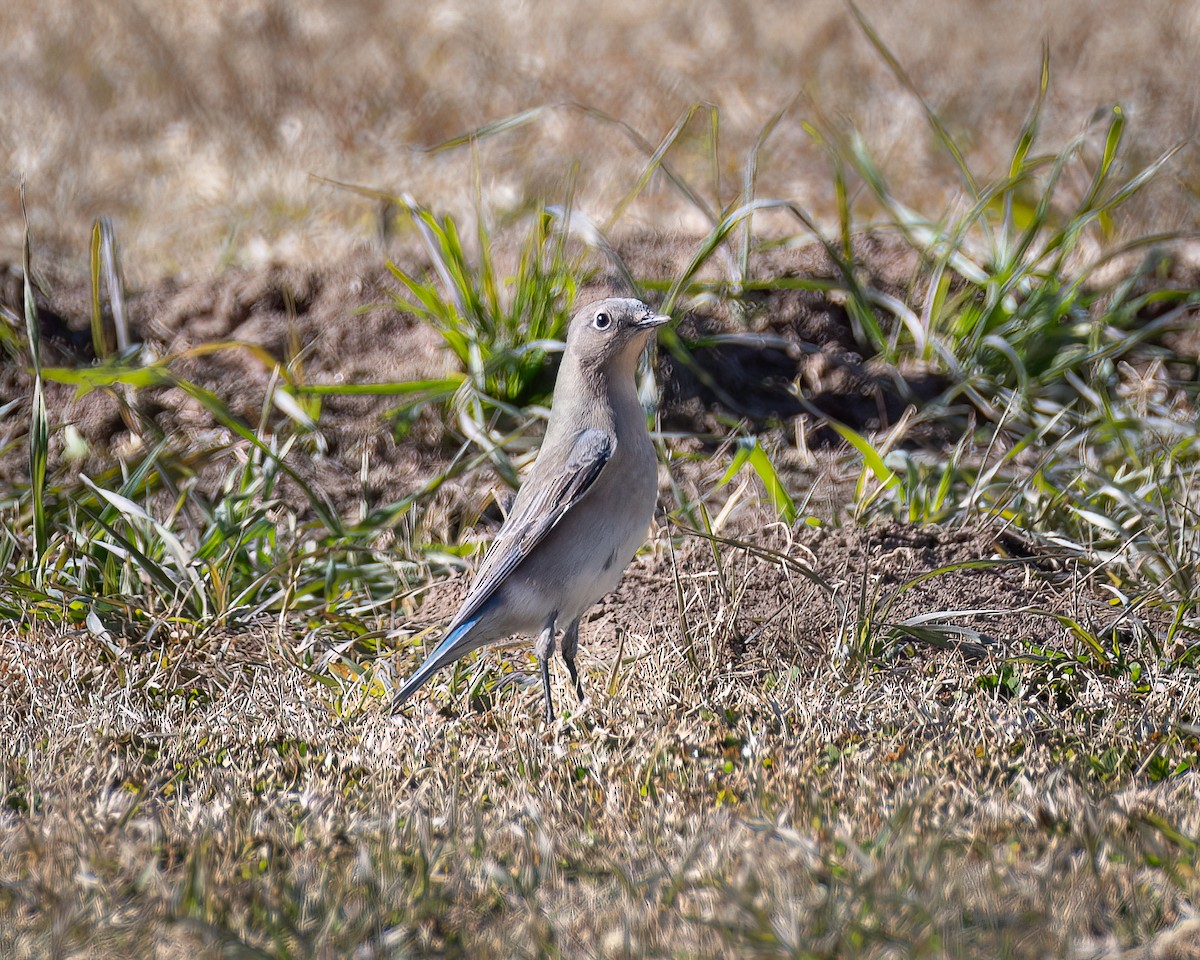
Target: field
x=909 y=663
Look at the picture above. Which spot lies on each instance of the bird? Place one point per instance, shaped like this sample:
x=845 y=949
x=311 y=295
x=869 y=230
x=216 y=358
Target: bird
x=582 y=513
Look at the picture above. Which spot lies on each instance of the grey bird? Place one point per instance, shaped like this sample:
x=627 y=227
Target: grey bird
x=582 y=513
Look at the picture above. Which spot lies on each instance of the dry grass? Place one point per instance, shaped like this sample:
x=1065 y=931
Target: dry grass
x=197 y=125
x=256 y=817
x=208 y=793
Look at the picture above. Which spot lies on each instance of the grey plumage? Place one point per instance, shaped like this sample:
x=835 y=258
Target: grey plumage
x=582 y=513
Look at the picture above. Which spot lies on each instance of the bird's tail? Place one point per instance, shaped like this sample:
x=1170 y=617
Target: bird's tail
x=458 y=643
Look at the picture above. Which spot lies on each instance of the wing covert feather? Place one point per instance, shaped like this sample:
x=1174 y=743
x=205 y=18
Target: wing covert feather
x=540 y=512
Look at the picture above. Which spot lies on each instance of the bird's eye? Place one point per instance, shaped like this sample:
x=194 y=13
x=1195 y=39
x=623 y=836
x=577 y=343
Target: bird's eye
x=603 y=321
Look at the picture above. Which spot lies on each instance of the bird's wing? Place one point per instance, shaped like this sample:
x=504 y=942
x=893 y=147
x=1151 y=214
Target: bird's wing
x=546 y=504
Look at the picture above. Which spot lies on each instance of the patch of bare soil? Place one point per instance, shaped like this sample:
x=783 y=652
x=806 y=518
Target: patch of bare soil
x=763 y=608
x=334 y=325
x=791 y=341
x=337 y=324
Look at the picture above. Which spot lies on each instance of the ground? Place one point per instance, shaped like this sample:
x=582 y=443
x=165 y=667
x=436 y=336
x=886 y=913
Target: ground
x=908 y=663
x=733 y=783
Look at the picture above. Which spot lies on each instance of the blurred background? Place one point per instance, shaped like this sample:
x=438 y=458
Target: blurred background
x=198 y=126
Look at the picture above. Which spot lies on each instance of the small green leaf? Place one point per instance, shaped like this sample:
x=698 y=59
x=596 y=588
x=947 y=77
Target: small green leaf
x=750 y=452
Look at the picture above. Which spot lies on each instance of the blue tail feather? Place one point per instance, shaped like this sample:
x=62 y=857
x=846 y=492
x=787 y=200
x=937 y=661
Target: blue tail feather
x=457 y=643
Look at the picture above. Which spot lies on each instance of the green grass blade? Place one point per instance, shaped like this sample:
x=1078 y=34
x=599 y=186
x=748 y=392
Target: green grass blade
x=750 y=186
x=39 y=422
x=656 y=162
x=99 y=341
x=750 y=452
x=224 y=416
x=438 y=387
x=871 y=458
x=87 y=379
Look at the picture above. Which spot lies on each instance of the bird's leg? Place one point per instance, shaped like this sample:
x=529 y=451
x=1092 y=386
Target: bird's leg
x=544 y=650
x=570 y=644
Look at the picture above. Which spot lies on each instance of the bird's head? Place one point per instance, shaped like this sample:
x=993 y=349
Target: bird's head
x=611 y=333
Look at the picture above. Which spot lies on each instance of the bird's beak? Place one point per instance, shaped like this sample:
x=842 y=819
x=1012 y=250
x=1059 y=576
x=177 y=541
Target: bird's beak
x=653 y=320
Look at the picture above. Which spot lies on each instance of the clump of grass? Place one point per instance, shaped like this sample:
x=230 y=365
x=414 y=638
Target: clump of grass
x=501 y=330
x=1072 y=432
x=141 y=547
x=1073 y=429
x=1055 y=376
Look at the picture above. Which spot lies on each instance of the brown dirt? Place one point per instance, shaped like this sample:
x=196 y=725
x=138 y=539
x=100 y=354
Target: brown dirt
x=769 y=616
x=328 y=325
x=336 y=324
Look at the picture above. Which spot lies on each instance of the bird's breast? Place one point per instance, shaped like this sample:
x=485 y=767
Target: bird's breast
x=584 y=556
